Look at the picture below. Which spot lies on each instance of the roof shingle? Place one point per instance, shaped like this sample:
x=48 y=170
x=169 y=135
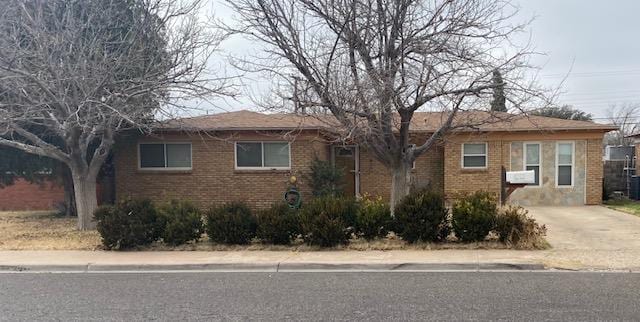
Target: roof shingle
x=421 y=122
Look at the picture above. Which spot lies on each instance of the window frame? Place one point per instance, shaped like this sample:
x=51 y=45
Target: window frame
x=262 y=168
x=485 y=155
x=539 y=165
x=164 y=147
x=573 y=163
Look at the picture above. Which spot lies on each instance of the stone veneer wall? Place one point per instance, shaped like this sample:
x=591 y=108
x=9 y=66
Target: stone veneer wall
x=547 y=193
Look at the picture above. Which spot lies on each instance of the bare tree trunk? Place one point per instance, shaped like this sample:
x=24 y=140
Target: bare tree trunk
x=69 y=195
x=84 y=186
x=400 y=183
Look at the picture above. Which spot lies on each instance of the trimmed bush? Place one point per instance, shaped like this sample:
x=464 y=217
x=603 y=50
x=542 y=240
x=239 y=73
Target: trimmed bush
x=373 y=218
x=278 y=224
x=422 y=216
x=474 y=216
x=328 y=221
x=231 y=223
x=128 y=224
x=182 y=222
x=514 y=227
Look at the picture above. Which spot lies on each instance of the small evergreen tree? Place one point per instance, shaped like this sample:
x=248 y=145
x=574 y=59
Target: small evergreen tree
x=326 y=179
x=498 y=104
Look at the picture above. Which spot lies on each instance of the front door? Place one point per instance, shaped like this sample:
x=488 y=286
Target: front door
x=346 y=158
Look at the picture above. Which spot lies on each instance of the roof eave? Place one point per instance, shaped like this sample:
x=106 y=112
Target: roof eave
x=221 y=129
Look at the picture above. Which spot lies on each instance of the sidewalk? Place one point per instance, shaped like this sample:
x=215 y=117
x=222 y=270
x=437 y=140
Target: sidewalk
x=576 y=259
x=268 y=260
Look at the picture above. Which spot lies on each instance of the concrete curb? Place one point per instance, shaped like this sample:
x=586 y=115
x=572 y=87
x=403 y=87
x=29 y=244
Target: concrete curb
x=276 y=267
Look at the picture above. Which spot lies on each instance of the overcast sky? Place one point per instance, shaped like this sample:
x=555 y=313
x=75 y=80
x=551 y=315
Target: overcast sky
x=597 y=43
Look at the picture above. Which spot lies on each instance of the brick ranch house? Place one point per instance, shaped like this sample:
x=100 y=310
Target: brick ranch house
x=250 y=156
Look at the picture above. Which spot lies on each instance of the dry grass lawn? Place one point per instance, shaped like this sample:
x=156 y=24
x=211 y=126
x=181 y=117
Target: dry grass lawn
x=629 y=206
x=44 y=231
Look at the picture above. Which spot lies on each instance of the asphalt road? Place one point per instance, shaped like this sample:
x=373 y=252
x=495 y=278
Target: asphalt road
x=321 y=296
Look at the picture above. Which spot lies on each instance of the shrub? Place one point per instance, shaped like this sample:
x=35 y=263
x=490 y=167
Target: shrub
x=128 y=224
x=182 y=222
x=515 y=228
x=326 y=179
x=278 y=224
x=474 y=216
x=231 y=223
x=328 y=221
x=422 y=215
x=373 y=218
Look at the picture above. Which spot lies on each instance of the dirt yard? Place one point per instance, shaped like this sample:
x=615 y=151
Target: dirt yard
x=43 y=231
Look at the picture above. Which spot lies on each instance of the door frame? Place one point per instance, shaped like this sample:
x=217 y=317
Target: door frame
x=356 y=160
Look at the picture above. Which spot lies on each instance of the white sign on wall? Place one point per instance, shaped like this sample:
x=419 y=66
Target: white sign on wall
x=521 y=177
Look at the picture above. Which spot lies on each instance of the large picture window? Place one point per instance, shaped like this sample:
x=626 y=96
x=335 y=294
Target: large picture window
x=532 y=160
x=564 y=162
x=159 y=156
x=262 y=155
x=474 y=155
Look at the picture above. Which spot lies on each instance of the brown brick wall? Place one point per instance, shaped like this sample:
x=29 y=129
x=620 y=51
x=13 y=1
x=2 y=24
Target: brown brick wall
x=459 y=181
x=23 y=195
x=213 y=179
x=375 y=178
x=594 y=172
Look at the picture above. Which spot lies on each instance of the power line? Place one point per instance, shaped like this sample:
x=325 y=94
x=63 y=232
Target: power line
x=602 y=92
x=628 y=72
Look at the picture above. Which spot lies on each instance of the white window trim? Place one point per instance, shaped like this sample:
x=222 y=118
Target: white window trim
x=524 y=162
x=573 y=163
x=164 y=146
x=485 y=155
x=263 y=168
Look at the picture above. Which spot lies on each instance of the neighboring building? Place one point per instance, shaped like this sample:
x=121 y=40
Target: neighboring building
x=24 y=195
x=250 y=156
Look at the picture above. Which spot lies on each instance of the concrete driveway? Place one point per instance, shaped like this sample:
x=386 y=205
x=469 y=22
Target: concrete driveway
x=589 y=227
x=594 y=236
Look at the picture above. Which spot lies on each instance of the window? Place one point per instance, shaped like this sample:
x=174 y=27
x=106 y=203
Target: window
x=158 y=156
x=564 y=162
x=474 y=155
x=262 y=155
x=344 y=152
x=532 y=160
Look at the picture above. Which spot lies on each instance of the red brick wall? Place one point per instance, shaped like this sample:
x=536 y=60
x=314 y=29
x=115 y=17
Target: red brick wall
x=27 y=196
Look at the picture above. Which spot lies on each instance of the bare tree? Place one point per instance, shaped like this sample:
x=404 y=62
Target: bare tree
x=373 y=63
x=625 y=117
x=75 y=73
